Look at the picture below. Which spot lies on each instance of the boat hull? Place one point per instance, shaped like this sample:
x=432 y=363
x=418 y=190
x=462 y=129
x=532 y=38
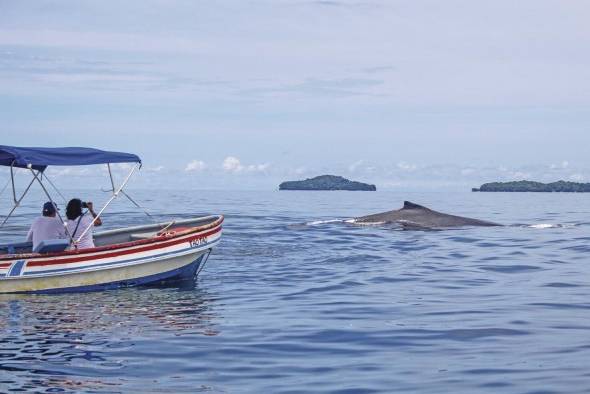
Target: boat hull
x=178 y=268
x=172 y=258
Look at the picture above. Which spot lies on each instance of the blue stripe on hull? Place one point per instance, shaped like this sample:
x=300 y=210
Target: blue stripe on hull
x=16 y=268
x=187 y=272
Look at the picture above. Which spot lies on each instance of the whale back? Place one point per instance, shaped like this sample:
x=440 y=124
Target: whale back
x=416 y=216
x=411 y=205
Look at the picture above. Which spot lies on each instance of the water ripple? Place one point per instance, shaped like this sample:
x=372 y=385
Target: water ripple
x=296 y=301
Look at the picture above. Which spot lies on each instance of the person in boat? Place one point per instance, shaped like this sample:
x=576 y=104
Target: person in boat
x=79 y=221
x=46 y=227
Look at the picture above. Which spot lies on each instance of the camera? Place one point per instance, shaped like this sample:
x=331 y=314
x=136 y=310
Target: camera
x=84 y=204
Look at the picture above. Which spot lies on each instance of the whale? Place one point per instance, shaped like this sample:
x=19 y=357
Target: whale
x=413 y=216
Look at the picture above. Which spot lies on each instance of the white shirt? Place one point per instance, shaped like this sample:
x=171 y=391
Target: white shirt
x=45 y=228
x=87 y=240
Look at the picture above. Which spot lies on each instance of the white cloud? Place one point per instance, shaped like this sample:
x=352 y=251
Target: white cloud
x=354 y=166
x=467 y=171
x=576 y=177
x=300 y=171
x=232 y=164
x=154 y=169
x=562 y=166
x=520 y=175
x=123 y=166
x=402 y=165
x=195 y=166
x=68 y=171
x=258 y=167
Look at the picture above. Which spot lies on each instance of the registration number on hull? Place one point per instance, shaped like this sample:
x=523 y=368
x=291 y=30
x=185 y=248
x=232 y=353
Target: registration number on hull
x=195 y=243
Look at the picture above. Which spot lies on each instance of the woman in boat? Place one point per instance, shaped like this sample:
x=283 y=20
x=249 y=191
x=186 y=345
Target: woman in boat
x=79 y=221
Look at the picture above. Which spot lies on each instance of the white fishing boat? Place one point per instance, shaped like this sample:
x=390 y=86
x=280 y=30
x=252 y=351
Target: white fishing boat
x=123 y=257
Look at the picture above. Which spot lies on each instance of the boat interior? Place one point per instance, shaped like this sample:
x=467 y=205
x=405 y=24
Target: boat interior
x=112 y=237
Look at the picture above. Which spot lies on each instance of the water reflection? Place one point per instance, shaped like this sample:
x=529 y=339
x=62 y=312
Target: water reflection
x=47 y=339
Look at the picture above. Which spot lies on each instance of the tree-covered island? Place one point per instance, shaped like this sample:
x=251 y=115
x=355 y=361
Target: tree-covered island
x=530 y=186
x=327 y=182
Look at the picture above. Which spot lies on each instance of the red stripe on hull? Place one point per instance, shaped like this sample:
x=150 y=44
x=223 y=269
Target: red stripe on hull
x=31 y=256
x=41 y=263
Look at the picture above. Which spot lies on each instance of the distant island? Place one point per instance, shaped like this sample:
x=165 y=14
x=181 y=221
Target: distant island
x=530 y=186
x=327 y=182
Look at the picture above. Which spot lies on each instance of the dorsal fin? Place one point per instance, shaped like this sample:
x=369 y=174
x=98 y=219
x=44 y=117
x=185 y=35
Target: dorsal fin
x=411 y=205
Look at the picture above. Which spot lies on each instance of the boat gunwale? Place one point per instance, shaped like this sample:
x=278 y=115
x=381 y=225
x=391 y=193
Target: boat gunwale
x=123 y=245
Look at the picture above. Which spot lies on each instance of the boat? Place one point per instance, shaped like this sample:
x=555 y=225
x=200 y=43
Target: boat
x=123 y=257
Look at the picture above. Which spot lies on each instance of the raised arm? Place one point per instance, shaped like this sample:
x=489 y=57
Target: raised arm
x=97 y=220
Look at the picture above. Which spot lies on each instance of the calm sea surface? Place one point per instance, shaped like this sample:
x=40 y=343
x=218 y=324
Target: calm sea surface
x=288 y=304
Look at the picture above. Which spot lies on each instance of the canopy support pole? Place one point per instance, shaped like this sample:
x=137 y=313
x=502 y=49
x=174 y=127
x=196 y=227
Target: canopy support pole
x=36 y=176
x=115 y=195
x=127 y=195
x=12 y=180
x=5 y=187
x=137 y=205
x=55 y=188
x=16 y=201
x=111 y=177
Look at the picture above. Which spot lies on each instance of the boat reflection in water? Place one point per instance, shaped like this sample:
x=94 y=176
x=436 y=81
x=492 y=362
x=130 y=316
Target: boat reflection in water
x=94 y=341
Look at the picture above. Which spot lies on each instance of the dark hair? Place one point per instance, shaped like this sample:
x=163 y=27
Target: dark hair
x=74 y=208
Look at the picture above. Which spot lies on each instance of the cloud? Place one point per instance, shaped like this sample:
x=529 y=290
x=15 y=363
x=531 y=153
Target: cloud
x=521 y=175
x=300 y=170
x=354 y=166
x=70 y=171
x=467 y=171
x=562 y=166
x=195 y=166
x=122 y=166
x=456 y=89
x=402 y=165
x=258 y=167
x=233 y=165
x=577 y=177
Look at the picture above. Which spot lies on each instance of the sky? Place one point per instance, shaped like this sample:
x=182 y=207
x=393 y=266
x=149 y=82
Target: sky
x=408 y=95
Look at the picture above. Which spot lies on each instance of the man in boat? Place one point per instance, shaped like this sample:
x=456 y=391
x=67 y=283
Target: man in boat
x=46 y=227
x=81 y=224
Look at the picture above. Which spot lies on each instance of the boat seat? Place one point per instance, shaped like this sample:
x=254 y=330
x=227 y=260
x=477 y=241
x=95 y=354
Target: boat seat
x=16 y=248
x=52 y=246
x=140 y=236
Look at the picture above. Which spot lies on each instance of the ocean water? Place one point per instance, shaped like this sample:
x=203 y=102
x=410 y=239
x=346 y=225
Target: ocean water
x=294 y=301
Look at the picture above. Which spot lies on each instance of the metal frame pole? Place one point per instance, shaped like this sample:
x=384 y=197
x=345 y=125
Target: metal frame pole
x=5 y=186
x=16 y=201
x=12 y=180
x=127 y=195
x=55 y=188
x=115 y=195
x=111 y=177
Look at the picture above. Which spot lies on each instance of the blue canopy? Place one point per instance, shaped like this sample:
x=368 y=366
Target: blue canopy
x=40 y=158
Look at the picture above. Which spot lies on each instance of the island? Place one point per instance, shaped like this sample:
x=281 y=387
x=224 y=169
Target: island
x=327 y=182
x=530 y=186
